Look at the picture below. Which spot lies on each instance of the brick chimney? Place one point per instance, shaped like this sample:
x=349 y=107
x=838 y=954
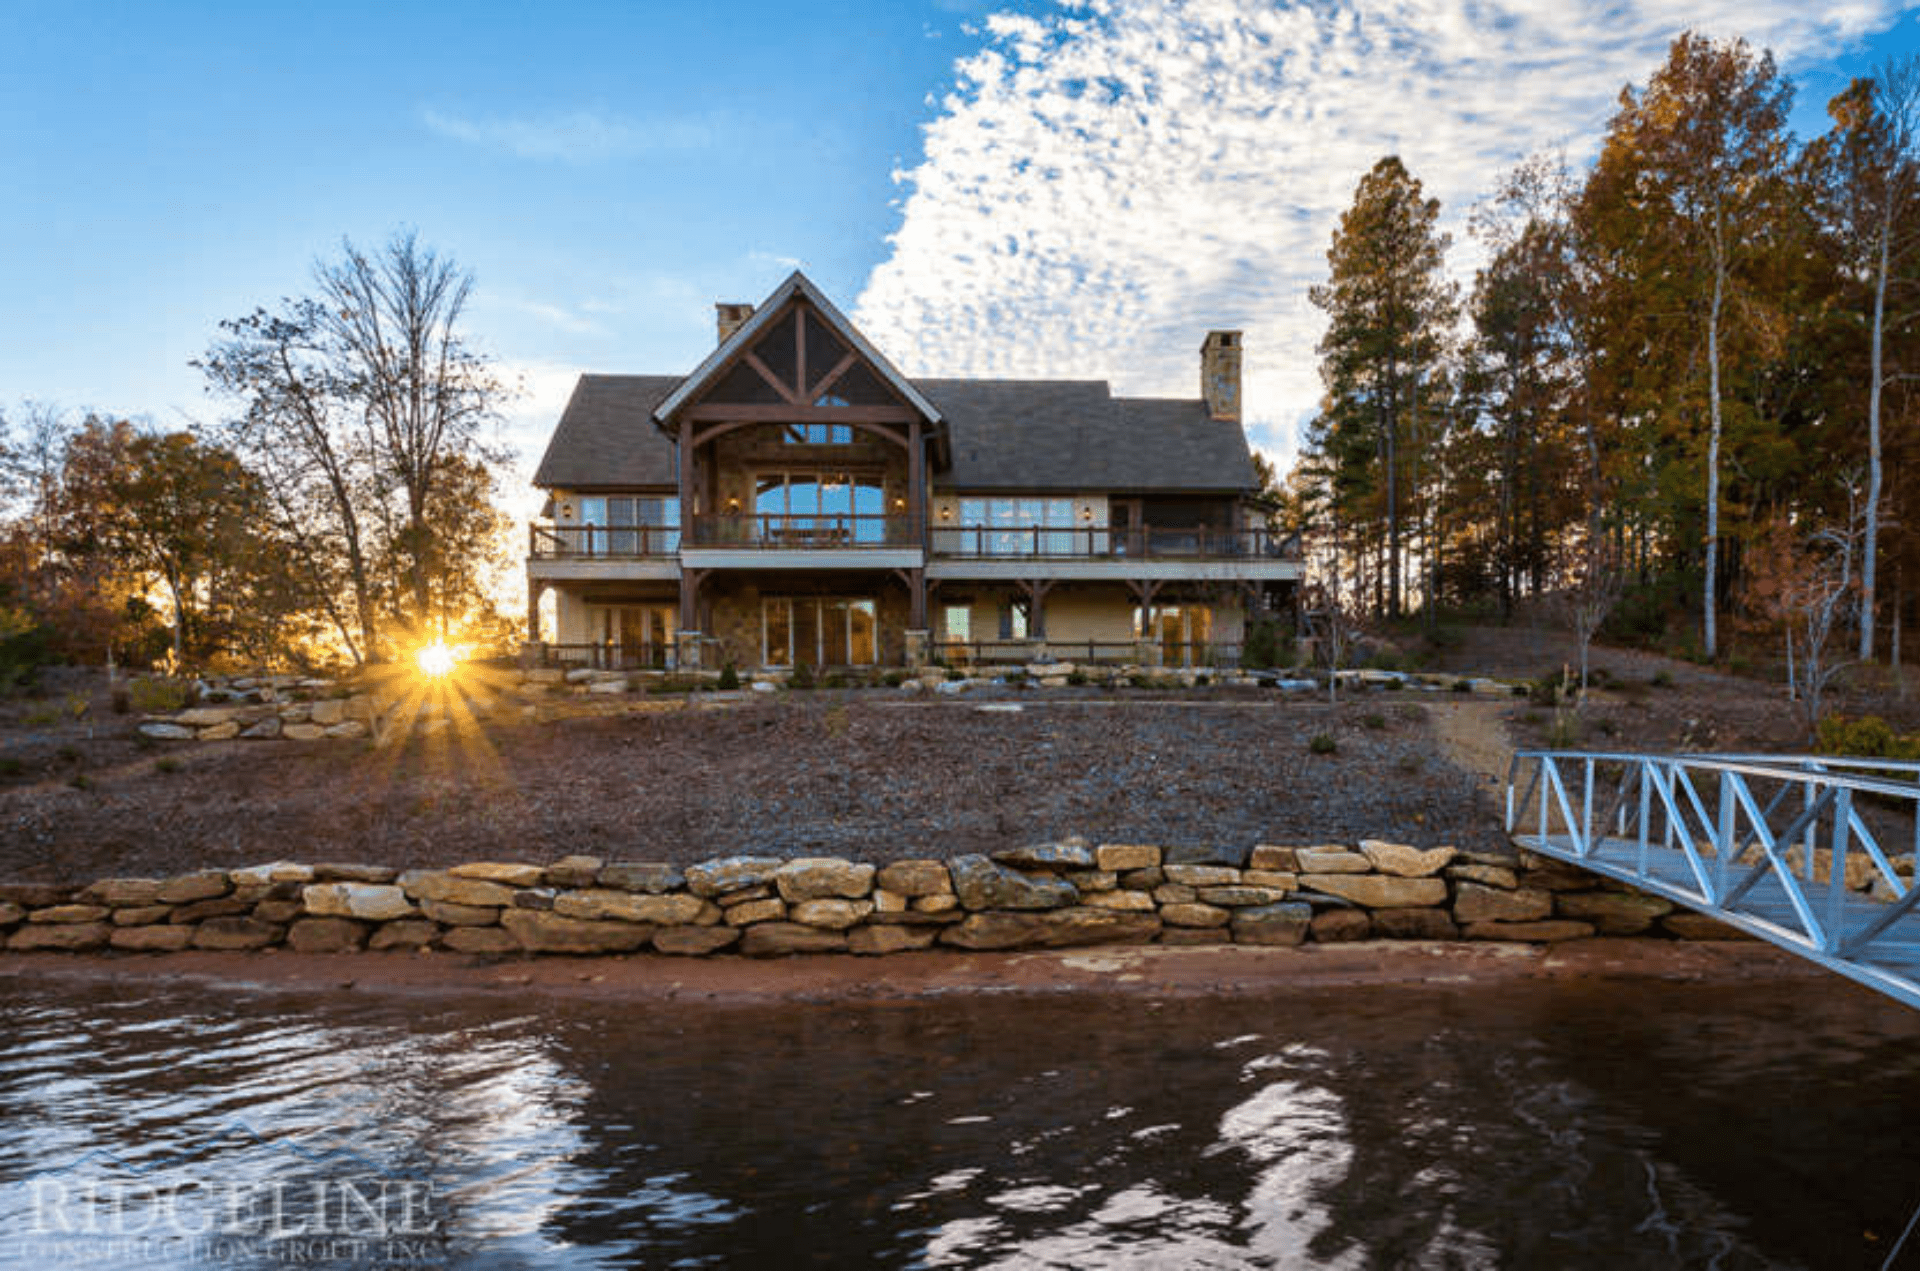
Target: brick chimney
x=730 y=318
x=1220 y=375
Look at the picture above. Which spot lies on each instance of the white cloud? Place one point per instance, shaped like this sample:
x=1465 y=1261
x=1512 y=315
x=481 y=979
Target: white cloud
x=1109 y=181
x=580 y=136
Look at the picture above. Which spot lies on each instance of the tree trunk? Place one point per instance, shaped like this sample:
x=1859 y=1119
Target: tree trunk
x=1713 y=434
x=1871 y=548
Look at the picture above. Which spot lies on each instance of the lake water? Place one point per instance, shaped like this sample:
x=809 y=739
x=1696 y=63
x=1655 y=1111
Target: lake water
x=1542 y=1125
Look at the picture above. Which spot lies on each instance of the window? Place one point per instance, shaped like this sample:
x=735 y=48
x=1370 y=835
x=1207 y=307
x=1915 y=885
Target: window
x=1010 y=527
x=1181 y=631
x=819 y=434
x=824 y=507
x=631 y=635
x=957 y=622
x=618 y=519
x=819 y=631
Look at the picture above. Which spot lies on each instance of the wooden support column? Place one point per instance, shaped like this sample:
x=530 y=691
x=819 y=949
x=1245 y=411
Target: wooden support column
x=690 y=580
x=535 y=590
x=916 y=487
x=684 y=465
x=1037 y=589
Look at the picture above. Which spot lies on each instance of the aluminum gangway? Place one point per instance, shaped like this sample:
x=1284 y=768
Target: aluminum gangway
x=1766 y=844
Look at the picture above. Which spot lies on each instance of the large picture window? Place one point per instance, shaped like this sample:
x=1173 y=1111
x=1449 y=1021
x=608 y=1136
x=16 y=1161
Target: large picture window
x=621 y=516
x=815 y=506
x=1007 y=527
x=819 y=631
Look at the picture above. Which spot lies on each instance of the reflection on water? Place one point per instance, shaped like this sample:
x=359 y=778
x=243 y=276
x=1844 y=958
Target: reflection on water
x=1551 y=1125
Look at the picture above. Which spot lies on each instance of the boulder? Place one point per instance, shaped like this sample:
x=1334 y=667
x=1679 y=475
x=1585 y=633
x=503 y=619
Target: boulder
x=236 y=933
x=1279 y=880
x=1202 y=875
x=1330 y=860
x=206 y=716
x=138 y=916
x=1049 y=858
x=161 y=939
x=449 y=914
x=730 y=873
x=506 y=873
x=1415 y=924
x=218 y=907
x=343 y=872
x=1613 y=913
x=326 y=935
x=71 y=937
x=167 y=732
x=1268 y=856
x=196 y=886
x=481 y=941
x=1377 y=891
x=1204 y=854
x=1692 y=926
x=70 y=913
x=916 y=878
x=983 y=884
x=888 y=902
x=1076 y=925
x=302 y=732
x=276 y=911
x=693 y=941
x=834 y=915
x=744 y=895
x=271 y=873
x=263 y=729
x=1127 y=901
x=1175 y=894
x=122 y=892
x=1143 y=879
x=891 y=938
x=1474 y=903
x=376 y=902
x=405 y=933
x=1087 y=881
x=436 y=884
x=328 y=711
x=1120 y=857
x=1286 y=923
x=945 y=902
x=10 y=913
x=677 y=910
x=1553 y=876
x=1194 y=915
x=1530 y=932
x=1486 y=875
x=542 y=932
x=773 y=909
x=575 y=871
x=822 y=878
x=651 y=877
x=1402 y=861
x=776 y=939
x=1341 y=926
x=220 y=732
x=534 y=898
x=1240 y=897
x=33 y=895
x=1194 y=935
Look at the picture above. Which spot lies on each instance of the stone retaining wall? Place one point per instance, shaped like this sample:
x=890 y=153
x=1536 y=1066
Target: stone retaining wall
x=1047 y=895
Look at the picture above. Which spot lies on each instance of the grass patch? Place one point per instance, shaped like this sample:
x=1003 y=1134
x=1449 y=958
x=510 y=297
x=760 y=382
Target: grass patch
x=1322 y=744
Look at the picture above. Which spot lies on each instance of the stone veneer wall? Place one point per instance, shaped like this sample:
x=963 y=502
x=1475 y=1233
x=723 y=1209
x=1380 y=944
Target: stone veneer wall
x=1046 y=895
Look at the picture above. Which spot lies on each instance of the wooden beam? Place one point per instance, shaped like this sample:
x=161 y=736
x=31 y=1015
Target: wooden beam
x=775 y=413
x=832 y=377
x=916 y=485
x=785 y=390
x=799 y=353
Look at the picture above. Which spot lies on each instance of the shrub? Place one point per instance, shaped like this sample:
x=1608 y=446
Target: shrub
x=1374 y=721
x=1016 y=677
x=1322 y=744
x=1563 y=731
x=1392 y=686
x=729 y=678
x=1266 y=644
x=1867 y=737
x=954 y=675
x=153 y=696
x=802 y=677
x=1463 y=686
x=894 y=679
x=1661 y=679
x=1077 y=679
x=11 y=767
x=166 y=763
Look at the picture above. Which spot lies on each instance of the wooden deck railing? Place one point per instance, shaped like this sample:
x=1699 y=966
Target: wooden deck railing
x=551 y=541
x=1139 y=542
x=803 y=532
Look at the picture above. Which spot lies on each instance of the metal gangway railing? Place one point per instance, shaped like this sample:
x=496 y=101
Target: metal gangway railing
x=1811 y=852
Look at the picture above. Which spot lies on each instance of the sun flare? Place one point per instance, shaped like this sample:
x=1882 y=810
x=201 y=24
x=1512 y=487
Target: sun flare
x=437 y=660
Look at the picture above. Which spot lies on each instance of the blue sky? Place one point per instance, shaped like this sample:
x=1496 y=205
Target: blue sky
x=991 y=188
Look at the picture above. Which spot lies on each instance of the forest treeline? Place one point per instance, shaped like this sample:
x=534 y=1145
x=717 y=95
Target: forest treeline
x=1683 y=379
x=340 y=506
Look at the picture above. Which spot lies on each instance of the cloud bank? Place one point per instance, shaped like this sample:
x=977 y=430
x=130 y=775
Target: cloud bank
x=580 y=136
x=1108 y=181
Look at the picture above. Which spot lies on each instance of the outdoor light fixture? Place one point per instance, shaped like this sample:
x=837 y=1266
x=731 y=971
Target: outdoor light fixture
x=946 y=514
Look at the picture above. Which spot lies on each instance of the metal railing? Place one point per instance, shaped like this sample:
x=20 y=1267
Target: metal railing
x=804 y=531
x=548 y=542
x=1140 y=542
x=1020 y=652
x=603 y=657
x=1799 y=850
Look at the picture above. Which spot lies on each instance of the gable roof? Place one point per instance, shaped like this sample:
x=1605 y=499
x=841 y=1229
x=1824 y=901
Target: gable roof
x=1075 y=435
x=607 y=437
x=796 y=285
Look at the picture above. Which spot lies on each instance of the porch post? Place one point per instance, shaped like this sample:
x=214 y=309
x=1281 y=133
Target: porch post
x=687 y=638
x=916 y=493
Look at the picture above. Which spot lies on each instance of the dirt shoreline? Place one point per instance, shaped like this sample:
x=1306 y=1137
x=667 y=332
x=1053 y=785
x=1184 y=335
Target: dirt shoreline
x=1130 y=970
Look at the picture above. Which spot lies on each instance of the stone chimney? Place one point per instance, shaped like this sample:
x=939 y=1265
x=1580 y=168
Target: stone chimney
x=731 y=317
x=1220 y=375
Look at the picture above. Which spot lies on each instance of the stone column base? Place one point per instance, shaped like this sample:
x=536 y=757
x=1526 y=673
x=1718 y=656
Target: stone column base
x=919 y=646
x=686 y=650
x=1147 y=652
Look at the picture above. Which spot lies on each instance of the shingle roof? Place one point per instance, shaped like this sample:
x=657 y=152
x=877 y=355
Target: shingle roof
x=1005 y=435
x=1073 y=434
x=607 y=437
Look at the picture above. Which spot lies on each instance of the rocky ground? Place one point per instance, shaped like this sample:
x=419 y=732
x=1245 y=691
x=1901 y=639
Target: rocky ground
x=862 y=774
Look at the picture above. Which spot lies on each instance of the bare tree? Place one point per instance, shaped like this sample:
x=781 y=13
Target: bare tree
x=1596 y=583
x=1803 y=580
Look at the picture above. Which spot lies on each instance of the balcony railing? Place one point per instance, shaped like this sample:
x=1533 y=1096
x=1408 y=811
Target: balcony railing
x=804 y=531
x=549 y=541
x=1139 y=542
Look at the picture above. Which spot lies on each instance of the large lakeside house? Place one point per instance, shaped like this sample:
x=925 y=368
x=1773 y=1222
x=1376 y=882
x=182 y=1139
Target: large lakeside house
x=796 y=500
